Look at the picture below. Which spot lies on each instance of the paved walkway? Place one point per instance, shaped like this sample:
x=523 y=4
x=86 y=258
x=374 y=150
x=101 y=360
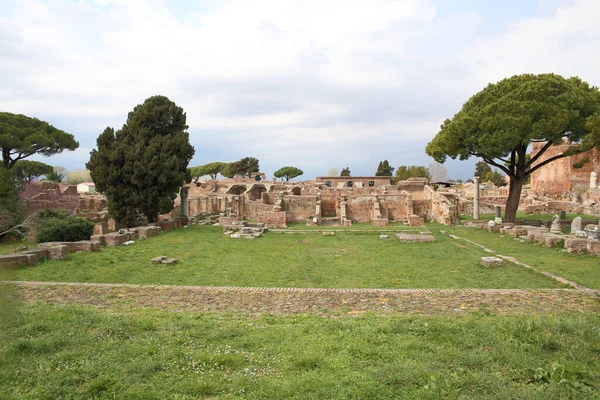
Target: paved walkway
x=320 y=301
x=327 y=302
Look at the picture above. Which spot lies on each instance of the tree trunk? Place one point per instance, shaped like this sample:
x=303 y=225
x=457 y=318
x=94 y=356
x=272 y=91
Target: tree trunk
x=514 y=195
x=152 y=218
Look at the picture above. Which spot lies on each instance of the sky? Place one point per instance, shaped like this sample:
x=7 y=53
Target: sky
x=316 y=84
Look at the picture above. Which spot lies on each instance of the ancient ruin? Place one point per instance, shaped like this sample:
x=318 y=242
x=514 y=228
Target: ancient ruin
x=325 y=201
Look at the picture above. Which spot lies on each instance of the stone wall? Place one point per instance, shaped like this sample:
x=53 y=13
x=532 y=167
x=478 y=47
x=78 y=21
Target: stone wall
x=559 y=178
x=253 y=209
x=299 y=208
x=396 y=208
x=360 y=209
x=273 y=219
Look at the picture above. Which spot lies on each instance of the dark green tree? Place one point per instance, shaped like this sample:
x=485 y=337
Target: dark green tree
x=141 y=167
x=211 y=169
x=481 y=170
x=345 y=172
x=57 y=175
x=244 y=167
x=499 y=123
x=384 y=169
x=495 y=177
x=413 y=171
x=10 y=212
x=22 y=136
x=27 y=171
x=288 y=173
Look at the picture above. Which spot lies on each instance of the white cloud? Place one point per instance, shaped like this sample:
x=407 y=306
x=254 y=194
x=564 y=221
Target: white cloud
x=309 y=83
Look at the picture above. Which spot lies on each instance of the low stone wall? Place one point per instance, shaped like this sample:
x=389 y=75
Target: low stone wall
x=273 y=219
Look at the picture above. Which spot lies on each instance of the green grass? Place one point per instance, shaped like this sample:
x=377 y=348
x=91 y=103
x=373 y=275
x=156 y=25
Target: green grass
x=346 y=260
x=52 y=352
x=535 y=217
x=12 y=246
x=581 y=268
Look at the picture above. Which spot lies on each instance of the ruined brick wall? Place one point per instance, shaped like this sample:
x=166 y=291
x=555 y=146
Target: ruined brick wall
x=396 y=208
x=252 y=210
x=422 y=208
x=273 y=219
x=299 y=208
x=360 y=209
x=560 y=177
x=414 y=188
x=328 y=206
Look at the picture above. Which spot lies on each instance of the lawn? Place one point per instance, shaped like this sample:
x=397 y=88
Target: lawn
x=580 y=268
x=52 y=352
x=346 y=260
x=532 y=217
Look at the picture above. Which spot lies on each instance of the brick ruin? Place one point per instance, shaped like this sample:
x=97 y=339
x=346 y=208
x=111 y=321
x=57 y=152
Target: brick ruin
x=561 y=177
x=324 y=201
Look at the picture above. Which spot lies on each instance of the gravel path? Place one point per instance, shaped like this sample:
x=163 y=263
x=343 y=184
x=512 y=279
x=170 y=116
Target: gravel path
x=326 y=302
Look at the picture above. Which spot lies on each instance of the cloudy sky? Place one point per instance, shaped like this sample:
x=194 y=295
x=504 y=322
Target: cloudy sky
x=316 y=84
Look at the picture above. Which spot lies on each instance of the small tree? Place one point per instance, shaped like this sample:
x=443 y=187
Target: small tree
x=211 y=169
x=384 y=169
x=57 y=175
x=141 y=167
x=413 y=171
x=333 y=172
x=77 y=176
x=22 y=136
x=288 y=173
x=499 y=123
x=245 y=167
x=26 y=171
x=345 y=172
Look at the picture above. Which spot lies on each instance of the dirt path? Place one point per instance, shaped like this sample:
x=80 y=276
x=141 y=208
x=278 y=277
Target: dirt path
x=327 y=302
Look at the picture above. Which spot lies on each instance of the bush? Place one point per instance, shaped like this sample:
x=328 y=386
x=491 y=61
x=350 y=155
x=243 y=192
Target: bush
x=58 y=226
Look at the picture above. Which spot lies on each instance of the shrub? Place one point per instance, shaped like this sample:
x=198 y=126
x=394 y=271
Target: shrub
x=58 y=226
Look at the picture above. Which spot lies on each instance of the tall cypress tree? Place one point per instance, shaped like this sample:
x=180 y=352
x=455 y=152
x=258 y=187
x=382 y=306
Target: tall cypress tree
x=141 y=167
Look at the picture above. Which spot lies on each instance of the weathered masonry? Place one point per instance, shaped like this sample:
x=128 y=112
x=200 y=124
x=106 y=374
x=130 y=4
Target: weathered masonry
x=324 y=201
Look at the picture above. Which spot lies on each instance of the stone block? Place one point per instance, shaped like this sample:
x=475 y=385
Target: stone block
x=98 y=239
x=117 y=239
x=100 y=228
x=491 y=262
x=553 y=240
x=169 y=224
x=593 y=247
x=412 y=238
x=519 y=230
x=164 y=260
x=380 y=222
x=576 y=245
x=143 y=232
x=383 y=236
x=415 y=220
x=59 y=252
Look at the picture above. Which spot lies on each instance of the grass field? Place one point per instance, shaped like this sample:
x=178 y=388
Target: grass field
x=50 y=352
x=580 y=268
x=535 y=217
x=346 y=260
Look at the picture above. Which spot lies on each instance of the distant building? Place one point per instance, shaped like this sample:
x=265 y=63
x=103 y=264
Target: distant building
x=341 y=182
x=86 y=187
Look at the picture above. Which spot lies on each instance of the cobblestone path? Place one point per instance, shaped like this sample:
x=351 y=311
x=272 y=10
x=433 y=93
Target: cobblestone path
x=326 y=302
